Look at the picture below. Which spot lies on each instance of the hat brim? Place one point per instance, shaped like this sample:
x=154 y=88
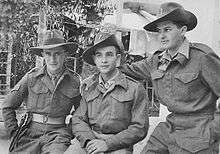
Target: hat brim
x=70 y=47
x=178 y=16
x=88 y=54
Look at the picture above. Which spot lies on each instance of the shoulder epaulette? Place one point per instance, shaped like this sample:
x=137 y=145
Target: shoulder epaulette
x=86 y=83
x=35 y=69
x=131 y=79
x=202 y=47
x=76 y=74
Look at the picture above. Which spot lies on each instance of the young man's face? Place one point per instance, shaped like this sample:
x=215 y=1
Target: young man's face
x=54 y=59
x=107 y=59
x=170 y=36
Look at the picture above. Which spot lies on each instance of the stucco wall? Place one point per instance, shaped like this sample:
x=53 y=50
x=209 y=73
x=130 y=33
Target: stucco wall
x=208 y=14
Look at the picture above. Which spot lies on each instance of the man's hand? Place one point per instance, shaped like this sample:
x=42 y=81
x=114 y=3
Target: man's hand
x=96 y=146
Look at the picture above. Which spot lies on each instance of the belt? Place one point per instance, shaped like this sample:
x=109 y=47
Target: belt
x=48 y=120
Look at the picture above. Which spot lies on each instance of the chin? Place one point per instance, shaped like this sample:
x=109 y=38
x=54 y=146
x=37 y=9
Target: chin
x=104 y=71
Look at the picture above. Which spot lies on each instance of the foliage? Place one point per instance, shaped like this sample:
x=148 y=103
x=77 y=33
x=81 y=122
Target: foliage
x=21 y=18
x=78 y=19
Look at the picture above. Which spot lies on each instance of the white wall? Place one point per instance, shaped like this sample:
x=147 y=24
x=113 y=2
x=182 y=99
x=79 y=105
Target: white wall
x=208 y=14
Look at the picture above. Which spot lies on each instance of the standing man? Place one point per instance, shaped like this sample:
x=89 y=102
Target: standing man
x=49 y=94
x=113 y=114
x=186 y=78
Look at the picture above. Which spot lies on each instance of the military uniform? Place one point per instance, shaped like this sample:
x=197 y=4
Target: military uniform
x=117 y=113
x=49 y=105
x=189 y=85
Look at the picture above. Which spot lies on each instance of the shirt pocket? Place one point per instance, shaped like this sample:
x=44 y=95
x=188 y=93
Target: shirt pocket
x=192 y=143
x=37 y=95
x=93 y=101
x=186 y=77
x=185 y=85
x=121 y=105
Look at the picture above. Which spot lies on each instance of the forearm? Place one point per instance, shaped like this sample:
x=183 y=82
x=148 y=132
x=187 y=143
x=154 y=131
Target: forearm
x=139 y=70
x=82 y=131
x=10 y=121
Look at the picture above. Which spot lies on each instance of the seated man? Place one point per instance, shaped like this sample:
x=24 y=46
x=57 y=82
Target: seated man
x=186 y=80
x=113 y=113
x=49 y=93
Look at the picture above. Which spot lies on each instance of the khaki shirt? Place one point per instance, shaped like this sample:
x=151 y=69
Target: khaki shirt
x=121 y=110
x=40 y=95
x=189 y=86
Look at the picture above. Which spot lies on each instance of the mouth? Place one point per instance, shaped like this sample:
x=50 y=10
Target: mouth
x=104 y=66
x=53 y=64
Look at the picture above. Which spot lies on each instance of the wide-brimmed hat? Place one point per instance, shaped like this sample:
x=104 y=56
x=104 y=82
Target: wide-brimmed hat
x=171 y=11
x=54 y=38
x=101 y=40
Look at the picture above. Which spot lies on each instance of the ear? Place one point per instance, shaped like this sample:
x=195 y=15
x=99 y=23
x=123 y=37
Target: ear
x=118 y=60
x=183 y=30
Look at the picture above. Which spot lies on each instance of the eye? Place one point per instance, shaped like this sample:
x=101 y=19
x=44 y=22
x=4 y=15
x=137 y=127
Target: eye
x=109 y=54
x=167 y=29
x=97 y=54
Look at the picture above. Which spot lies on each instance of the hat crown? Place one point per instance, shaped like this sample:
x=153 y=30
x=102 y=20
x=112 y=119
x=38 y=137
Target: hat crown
x=168 y=7
x=101 y=37
x=53 y=37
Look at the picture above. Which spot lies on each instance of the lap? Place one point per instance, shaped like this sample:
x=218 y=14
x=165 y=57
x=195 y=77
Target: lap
x=76 y=148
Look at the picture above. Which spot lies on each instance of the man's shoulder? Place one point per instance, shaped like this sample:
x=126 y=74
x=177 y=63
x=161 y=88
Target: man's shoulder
x=202 y=48
x=74 y=74
x=131 y=82
x=88 y=82
x=130 y=79
x=34 y=72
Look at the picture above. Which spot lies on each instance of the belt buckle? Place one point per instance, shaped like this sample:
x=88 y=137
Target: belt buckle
x=45 y=118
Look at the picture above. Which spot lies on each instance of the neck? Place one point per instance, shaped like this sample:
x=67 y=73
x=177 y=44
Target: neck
x=173 y=51
x=109 y=75
x=57 y=72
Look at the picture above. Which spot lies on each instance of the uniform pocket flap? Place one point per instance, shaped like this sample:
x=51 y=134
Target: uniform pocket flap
x=186 y=77
x=39 y=88
x=122 y=97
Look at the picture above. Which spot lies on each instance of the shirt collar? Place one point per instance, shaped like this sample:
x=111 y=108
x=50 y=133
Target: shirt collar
x=117 y=79
x=110 y=81
x=181 y=55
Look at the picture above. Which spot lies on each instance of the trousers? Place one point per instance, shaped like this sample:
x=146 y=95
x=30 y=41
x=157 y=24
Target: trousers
x=75 y=147
x=44 y=139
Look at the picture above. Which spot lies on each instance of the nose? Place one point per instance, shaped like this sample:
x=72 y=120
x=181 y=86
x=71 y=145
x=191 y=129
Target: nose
x=104 y=59
x=53 y=58
x=161 y=35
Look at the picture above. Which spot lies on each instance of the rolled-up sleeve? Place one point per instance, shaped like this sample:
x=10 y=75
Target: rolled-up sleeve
x=139 y=124
x=12 y=101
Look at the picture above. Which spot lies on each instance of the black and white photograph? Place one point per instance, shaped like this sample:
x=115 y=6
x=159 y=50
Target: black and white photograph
x=109 y=76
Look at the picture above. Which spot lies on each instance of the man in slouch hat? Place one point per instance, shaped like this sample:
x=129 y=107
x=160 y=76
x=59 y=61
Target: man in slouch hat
x=113 y=112
x=49 y=93
x=186 y=79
